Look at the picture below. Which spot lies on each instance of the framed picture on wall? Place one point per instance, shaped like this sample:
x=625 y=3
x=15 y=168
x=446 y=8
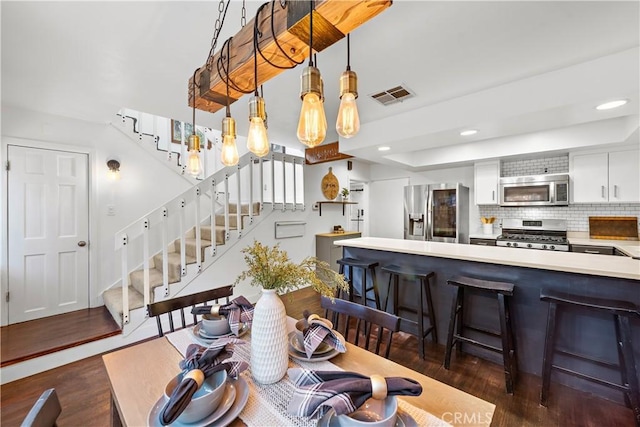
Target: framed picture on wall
x=176 y=131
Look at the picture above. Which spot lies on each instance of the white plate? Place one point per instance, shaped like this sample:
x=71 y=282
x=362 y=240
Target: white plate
x=314 y=357
x=242 y=396
x=228 y=399
x=199 y=333
x=402 y=420
x=295 y=343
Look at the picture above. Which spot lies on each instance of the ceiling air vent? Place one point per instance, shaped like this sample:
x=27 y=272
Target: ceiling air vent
x=393 y=95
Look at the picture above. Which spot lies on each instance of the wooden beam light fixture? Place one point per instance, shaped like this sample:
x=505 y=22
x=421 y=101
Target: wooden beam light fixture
x=283 y=29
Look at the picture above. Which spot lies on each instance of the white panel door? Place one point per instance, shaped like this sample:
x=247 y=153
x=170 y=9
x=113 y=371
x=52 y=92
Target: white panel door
x=48 y=233
x=386 y=208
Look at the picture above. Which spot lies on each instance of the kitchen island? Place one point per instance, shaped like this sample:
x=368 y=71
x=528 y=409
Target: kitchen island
x=530 y=271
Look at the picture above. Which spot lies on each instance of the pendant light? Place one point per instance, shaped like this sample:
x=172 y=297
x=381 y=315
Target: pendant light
x=257 y=141
x=348 y=123
x=194 y=165
x=312 y=125
x=229 y=155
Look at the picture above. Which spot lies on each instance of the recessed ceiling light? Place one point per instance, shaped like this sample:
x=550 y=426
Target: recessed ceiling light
x=468 y=132
x=384 y=148
x=612 y=104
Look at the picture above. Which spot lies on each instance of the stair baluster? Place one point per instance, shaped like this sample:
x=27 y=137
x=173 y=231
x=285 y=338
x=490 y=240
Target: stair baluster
x=145 y=262
x=165 y=251
x=198 y=240
x=273 y=181
x=261 y=180
x=238 y=203
x=212 y=218
x=226 y=207
x=183 y=249
x=125 y=281
x=251 y=190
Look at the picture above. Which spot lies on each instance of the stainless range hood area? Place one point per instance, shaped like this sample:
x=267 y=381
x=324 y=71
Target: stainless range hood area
x=535 y=190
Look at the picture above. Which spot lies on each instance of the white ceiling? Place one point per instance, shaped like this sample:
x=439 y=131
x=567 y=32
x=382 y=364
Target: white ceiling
x=505 y=68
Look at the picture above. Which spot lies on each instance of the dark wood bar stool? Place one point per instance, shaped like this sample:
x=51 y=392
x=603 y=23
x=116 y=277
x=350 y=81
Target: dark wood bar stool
x=502 y=291
x=621 y=311
x=411 y=274
x=347 y=267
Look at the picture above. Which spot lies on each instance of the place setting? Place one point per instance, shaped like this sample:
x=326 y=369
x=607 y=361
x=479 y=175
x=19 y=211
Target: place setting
x=350 y=399
x=208 y=392
x=221 y=321
x=315 y=340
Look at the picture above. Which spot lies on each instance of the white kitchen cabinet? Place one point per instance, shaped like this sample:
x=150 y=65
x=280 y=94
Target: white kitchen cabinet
x=486 y=178
x=624 y=176
x=601 y=177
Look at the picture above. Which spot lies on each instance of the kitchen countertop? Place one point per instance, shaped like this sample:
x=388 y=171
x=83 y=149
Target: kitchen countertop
x=571 y=262
x=629 y=247
x=346 y=233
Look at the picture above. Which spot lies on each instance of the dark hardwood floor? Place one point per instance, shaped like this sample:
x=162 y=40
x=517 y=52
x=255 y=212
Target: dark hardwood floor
x=27 y=340
x=83 y=387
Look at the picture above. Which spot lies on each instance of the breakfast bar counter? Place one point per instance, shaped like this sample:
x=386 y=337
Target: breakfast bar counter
x=613 y=277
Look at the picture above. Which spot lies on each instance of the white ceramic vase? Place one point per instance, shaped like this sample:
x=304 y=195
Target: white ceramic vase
x=269 y=346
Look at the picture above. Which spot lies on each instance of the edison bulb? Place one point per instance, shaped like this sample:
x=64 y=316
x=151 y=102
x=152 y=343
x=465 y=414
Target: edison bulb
x=257 y=141
x=312 y=127
x=348 y=123
x=194 y=166
x=229 y=155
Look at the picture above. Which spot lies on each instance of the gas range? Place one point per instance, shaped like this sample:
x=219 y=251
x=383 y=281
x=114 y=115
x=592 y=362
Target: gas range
x=546 y=234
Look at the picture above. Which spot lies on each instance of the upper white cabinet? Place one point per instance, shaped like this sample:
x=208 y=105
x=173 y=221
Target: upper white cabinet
x=486 y=178
x=609 y=176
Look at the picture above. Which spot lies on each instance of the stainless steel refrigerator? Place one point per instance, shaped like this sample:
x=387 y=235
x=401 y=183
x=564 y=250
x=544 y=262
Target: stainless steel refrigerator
x=437 y=212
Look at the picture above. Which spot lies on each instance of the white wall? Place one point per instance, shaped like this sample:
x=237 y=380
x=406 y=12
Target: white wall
x=144 y=184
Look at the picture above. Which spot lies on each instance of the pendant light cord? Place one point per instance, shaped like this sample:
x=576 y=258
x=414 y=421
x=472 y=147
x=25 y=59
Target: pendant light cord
x=311 y=33
x=255 y=56
x=348 y=53
x=193 y=117
x=228 y=111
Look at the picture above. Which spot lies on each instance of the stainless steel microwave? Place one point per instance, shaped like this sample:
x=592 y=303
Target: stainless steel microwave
x=535 y=190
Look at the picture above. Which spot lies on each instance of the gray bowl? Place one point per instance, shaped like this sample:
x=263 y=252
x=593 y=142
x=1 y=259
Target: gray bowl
x=215 y=325
x=373 y=413
x=204 y=401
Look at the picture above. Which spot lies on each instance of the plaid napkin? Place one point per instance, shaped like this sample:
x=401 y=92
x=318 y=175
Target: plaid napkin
x=239 y=311
x=318 y=391
x=319 y=330
x=209 y=361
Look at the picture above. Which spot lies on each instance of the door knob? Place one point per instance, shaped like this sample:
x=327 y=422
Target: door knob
x=82 y=243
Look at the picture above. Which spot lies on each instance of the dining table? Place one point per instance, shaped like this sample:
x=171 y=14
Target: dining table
x=138 y=375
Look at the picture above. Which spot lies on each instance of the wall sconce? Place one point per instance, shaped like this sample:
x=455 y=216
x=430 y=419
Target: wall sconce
x=114 y=169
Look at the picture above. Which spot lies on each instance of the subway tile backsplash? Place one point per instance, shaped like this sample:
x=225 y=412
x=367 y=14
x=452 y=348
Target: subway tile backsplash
x=541 y=166
x=577 y=216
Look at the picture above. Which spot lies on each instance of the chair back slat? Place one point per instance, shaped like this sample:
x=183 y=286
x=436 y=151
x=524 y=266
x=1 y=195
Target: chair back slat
x=45 y=411
x=367 y=317
x=180 y=303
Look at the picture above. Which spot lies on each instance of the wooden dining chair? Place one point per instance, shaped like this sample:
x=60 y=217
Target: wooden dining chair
x=45 y=411
x=365 y=318
x=177 y=305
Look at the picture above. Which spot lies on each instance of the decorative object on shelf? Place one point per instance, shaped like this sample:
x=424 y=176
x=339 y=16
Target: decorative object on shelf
x=344 y=193
x=114 y=169
x=271 y=268
x=348 y=123
x=330 y=185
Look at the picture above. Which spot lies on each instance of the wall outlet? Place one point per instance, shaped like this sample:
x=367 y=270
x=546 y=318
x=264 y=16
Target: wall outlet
x=111 y=210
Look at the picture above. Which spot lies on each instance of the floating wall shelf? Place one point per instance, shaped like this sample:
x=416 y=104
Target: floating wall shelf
x=332 y=202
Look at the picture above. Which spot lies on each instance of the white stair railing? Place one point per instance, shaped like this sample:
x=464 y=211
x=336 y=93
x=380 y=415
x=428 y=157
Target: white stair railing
x=156 y=231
